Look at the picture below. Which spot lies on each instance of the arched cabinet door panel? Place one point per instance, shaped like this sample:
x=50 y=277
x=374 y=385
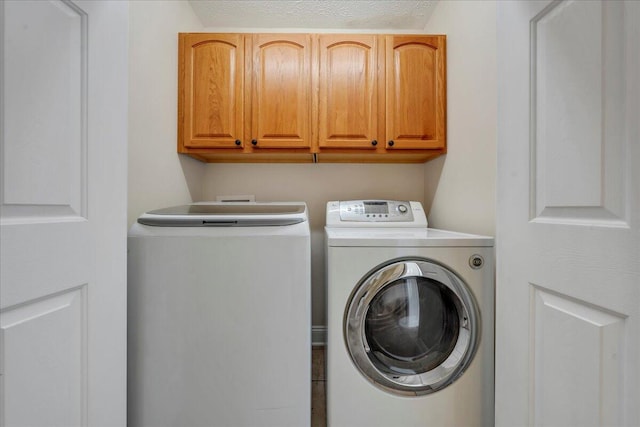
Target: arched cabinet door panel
x=348 y=91
x=211 y=87
x=281 y=91
x=416 y=92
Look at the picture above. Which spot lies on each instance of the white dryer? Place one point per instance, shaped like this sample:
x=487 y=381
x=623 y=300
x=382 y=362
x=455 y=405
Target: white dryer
x=220 y=316
x=410 y=319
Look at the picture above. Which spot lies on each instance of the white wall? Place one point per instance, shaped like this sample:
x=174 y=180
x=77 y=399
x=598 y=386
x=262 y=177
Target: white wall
x=158 y=177
x=460 y=187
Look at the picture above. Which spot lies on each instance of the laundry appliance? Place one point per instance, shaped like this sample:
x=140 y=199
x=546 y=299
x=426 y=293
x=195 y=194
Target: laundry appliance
x=220 y=316
x=410 y=316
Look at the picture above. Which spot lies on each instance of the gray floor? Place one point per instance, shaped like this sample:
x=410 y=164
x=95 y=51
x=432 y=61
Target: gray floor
x=318 y=381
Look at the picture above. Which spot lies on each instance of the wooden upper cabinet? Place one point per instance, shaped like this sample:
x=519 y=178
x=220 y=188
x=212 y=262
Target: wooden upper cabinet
x=349 y=96
x=311 y=97
x=210 y=91
x=281 y=91
x=416 y=92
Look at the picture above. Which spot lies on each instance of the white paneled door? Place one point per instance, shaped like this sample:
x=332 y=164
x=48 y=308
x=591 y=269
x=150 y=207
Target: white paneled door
x=568 y=226
x=63 y=213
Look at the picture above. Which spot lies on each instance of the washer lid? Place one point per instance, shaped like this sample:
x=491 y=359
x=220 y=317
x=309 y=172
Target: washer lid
x=227 y=214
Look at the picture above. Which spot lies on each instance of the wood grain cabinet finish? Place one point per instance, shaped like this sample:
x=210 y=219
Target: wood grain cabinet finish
x=348 y=91
x=312 y=97
x=281 y=91
x=382 y=98
x=211 y=88
x=245 y=97
x=416 y=92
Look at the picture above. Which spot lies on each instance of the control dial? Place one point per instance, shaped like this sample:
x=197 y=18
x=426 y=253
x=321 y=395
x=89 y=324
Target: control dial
x=402 y=209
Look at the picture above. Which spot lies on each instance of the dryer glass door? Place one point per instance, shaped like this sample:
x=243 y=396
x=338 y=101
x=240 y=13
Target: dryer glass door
x=412 y=326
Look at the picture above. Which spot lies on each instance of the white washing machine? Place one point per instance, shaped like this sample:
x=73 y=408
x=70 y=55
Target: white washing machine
x=220 y=316
x=410 y=319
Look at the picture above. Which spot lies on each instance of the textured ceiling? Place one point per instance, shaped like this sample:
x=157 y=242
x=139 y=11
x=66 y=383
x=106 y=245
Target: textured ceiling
x=315 y=14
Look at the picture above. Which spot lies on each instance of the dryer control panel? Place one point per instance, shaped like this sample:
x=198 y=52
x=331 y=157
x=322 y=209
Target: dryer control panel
x=375 y=210
x=385 y=213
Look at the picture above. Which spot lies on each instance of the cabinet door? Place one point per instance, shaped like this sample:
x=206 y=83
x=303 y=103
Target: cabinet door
x=281 y=86
x=211 y=84
x=416 y=92
x=349 y=94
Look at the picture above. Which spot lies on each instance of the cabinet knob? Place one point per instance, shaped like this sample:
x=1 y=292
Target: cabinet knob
x=391 y=143
x=238 y=142
x=374 y=142
x=254 y=142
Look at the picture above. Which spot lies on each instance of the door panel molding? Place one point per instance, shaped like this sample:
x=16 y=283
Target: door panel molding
x=55 y=325
x=578 y=145
x=44 y=138
x=591 y=338
x=63 y=143
x=568 y=213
